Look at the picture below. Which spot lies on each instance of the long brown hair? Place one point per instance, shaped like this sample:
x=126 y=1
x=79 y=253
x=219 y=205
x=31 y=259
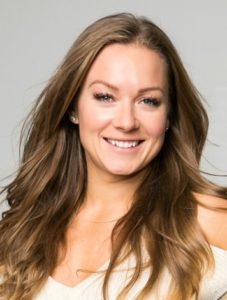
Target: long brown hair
x=51 y=181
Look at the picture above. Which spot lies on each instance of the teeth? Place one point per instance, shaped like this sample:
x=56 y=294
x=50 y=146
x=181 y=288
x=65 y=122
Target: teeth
x=122 y=144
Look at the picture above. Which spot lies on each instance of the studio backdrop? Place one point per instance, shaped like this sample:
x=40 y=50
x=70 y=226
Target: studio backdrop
x=35 y=35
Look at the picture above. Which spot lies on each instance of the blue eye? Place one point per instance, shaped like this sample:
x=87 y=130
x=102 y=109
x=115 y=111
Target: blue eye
x=151 y=101
x=105 y=97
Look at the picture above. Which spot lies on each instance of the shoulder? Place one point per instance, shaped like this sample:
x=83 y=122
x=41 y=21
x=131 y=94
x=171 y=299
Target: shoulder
x=213 y=285
x=212 y=217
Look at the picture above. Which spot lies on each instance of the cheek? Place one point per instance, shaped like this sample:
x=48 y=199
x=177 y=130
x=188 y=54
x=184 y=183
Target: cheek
x=156 y=126
x=92 y=120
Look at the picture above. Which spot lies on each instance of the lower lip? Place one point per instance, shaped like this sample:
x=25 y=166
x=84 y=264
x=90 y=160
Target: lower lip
x=124 y=150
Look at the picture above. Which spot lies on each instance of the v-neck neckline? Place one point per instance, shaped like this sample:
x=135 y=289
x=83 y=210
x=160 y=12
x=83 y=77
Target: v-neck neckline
x=83 y=282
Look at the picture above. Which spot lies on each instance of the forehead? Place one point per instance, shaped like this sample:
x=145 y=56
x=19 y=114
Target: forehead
x=129 y=64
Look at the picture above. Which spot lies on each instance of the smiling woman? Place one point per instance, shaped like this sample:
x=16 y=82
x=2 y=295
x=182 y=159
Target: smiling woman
x=109 y=202
x=121 y=97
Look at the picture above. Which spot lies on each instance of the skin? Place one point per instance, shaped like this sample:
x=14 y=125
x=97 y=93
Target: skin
x=125 y=76
x=118 y=102
x=212 y=222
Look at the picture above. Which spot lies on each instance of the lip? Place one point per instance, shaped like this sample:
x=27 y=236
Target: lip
x=122 y=139
x=123 y=150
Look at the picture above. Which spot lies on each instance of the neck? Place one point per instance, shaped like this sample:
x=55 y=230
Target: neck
x=109 y=197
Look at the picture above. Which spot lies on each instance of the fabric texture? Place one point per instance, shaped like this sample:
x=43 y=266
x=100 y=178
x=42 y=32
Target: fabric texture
x=213 y=286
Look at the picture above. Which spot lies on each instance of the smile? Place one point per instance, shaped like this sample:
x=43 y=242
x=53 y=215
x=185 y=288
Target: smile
x=123 y=144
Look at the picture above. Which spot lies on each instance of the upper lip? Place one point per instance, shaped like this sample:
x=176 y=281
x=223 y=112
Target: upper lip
x=124 y=140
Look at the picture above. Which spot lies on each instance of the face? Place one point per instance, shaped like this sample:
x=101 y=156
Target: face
x=122 y=109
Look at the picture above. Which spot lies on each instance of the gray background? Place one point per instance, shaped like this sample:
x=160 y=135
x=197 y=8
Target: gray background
x=35 y=35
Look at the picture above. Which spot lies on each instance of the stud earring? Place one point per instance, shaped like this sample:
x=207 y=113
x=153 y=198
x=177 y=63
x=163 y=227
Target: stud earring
x=72 y=119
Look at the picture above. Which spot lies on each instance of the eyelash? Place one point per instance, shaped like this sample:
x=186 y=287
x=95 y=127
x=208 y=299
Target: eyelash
x=152 y=101
x=105 y=97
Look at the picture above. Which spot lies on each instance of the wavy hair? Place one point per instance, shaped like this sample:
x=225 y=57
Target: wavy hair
x=51 y=181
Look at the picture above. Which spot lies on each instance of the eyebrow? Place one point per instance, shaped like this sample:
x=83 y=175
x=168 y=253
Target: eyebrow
x=114 y=88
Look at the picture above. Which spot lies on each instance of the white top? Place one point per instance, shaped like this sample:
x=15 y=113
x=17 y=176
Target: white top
x=213 y=286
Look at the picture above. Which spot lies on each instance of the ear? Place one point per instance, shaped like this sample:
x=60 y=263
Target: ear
x=73 y=117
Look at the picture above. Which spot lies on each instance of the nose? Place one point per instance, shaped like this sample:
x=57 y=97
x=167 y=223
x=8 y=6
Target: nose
x=125 y=117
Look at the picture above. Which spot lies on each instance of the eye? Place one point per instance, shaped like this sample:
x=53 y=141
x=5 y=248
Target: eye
x=105 y=97
x=151 y=101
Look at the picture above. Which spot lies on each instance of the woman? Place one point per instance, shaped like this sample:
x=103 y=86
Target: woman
x=109 y=202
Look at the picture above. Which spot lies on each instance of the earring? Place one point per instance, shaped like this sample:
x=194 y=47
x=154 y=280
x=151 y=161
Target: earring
x=167 y=128
x=72 y=118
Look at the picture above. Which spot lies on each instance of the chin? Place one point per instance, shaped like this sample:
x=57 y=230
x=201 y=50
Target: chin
x=123 y=171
